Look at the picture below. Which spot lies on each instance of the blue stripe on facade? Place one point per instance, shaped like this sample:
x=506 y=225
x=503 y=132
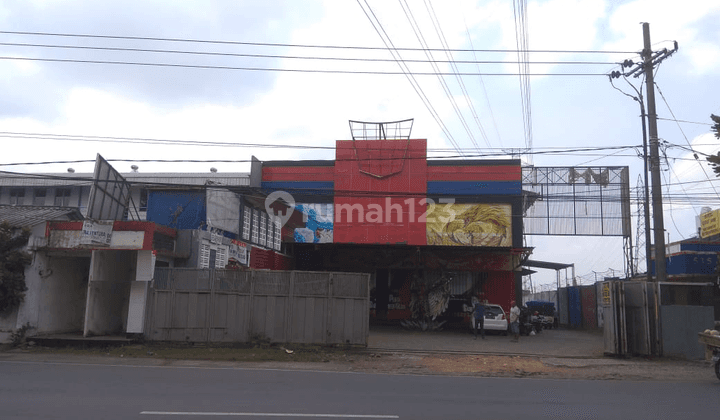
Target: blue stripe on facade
x=300 y=187
x=474 y=187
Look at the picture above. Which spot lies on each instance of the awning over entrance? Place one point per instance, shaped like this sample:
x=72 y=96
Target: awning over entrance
x=367 y=258
x=546 y=264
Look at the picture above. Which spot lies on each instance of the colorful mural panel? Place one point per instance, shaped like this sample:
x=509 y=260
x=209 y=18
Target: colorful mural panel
x=317 y=223
x=469 y=225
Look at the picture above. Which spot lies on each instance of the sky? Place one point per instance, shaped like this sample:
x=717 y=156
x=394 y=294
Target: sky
x=67 y=104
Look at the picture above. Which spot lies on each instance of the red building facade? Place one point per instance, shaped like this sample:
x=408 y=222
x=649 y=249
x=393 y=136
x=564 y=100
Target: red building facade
x=383 y=208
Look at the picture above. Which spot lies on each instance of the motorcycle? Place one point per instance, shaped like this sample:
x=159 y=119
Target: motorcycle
x=711 y=339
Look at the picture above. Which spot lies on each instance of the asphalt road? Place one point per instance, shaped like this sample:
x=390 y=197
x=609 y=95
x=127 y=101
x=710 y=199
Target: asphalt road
x=38 y=390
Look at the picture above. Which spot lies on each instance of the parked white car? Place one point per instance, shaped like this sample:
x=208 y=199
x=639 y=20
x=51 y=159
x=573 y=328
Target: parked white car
x=495 y=319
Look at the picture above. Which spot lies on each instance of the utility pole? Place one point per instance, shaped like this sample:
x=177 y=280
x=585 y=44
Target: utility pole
x=647 y=67
x=658 y=221
x=646 y=201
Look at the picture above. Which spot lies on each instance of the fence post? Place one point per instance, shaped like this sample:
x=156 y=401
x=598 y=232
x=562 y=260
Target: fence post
x=211 y=299
x=149 y=309
x=250 y=305
x=168 y=331
x=289 y=307
x=328 y=319
x=367 y=310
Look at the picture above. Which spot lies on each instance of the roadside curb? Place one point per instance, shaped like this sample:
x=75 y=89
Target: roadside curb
x=475 y=353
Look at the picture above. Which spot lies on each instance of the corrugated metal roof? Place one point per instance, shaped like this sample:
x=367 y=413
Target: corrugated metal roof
x=232 y=179
x=28 y=216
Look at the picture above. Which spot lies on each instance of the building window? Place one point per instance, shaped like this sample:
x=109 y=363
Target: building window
x=263 y=229
x=270 y=230
x=255 y=226
x=17 y=196
x=221 y=257
x=247 y=215
x=278 y=234
x=204 y=255
x=39 y=196
x=143 y=199
x=62 y=197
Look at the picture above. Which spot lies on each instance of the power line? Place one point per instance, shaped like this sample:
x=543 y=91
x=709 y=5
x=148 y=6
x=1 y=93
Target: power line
x=682 y=121
x=683 y=133
x=468 y=98
x=421 y=39
x=118 y=139
x=482 y=83
x=694 y=200
x=521 y=40
x=292 y=57
x=215 y=67
x=408 y=74
x=265 y=44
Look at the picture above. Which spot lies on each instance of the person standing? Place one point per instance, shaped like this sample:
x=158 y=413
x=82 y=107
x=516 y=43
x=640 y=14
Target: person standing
x=479 y=318
x=515 y=321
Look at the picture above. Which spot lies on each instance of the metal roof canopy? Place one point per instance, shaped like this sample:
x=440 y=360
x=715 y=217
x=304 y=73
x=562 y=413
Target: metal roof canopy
x=546 y=264
x=28 y=216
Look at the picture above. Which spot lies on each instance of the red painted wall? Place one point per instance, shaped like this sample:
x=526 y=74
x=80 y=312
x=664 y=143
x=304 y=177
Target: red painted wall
x=282 y=262
x=500 y=289
x=262 y=258
x=589 y=302
x=392 y=204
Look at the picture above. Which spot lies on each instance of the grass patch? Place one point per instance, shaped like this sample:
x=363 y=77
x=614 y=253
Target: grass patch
x=253 y=352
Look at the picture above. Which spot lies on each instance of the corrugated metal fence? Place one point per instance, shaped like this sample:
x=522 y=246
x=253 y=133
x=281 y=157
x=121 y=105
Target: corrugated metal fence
x=197 y=305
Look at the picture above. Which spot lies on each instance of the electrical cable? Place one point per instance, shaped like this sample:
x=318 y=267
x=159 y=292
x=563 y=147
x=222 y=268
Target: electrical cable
x=468 y=98
x=289 y=57
x=406 y=71
x=421 y=39
x=683 y=133
x=521 y=40
x=265 y=44
x=271 y=69
x=682 y=121
x=482 y=84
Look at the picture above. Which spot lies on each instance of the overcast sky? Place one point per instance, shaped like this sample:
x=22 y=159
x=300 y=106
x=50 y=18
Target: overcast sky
x=185 y=100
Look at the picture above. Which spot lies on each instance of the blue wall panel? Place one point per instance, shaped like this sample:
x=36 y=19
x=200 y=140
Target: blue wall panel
x=474 y=187
x=177 y=209
x=303 y=188
x=574 y=307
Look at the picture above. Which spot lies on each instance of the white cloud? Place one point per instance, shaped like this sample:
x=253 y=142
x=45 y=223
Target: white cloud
x=693 y=23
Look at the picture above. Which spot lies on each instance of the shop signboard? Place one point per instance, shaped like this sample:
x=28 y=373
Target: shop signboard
x=710 y=224
x=238 y=251
x=96 y=232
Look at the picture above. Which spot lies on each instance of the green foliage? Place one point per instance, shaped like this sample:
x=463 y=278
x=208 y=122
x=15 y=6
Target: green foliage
x=715 y=159
x=12 y=267
x=18 y=337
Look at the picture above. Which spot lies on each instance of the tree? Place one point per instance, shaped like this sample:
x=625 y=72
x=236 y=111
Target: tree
x=12 y=267
x=715 y=159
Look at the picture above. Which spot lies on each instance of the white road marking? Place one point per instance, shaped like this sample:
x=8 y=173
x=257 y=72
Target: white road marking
x=345 y=416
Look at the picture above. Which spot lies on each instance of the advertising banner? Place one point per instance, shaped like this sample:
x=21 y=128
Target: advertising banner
x=710 y=224
x=487 y=225
x=238 y=251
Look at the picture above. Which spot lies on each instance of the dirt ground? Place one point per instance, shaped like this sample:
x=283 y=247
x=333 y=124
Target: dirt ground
x=263 y=355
